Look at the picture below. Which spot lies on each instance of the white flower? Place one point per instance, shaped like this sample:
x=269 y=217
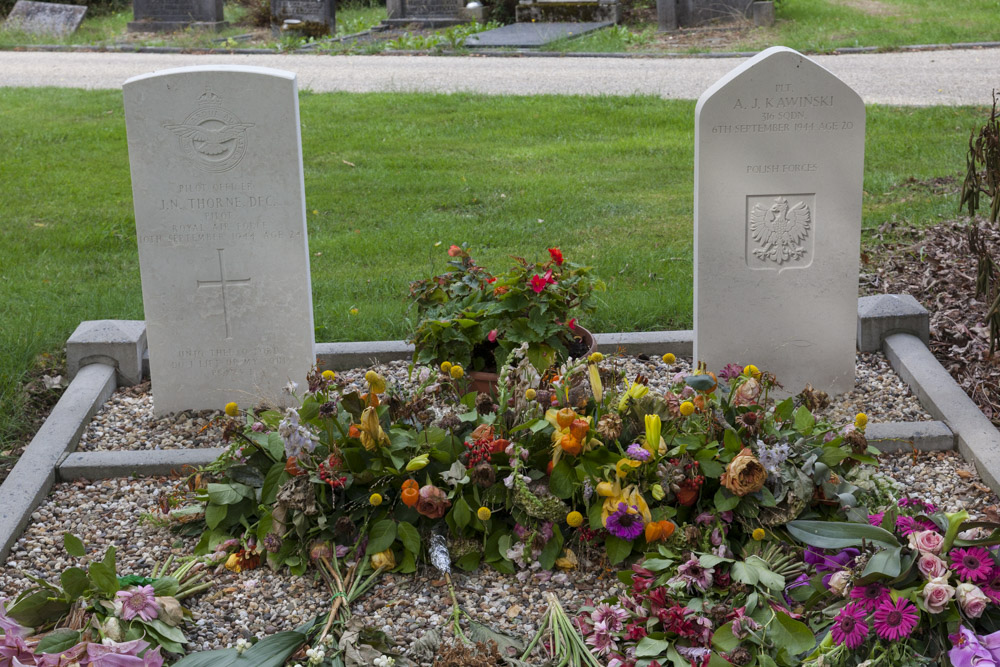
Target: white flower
x=384 y=661
x=292 y=387
x=242 y=645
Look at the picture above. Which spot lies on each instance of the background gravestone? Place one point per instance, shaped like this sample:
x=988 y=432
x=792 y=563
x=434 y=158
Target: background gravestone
x=45 y=18
x=430 y=13
x=779 y=160
x=173 y=15
x=318 y=17
x=216 y=161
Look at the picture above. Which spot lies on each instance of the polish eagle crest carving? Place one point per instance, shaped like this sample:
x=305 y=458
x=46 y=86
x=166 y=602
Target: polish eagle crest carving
x=779 y=230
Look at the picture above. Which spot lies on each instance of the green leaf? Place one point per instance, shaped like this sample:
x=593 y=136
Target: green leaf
x=791 y=635
x=804 y=420
x=58 y=641
x=732 y=441
x=885 y=562
x=165 y=586
x=74 y=581
x=708 y=464
x=772 y=580
x=837 y=535
x=469 y=562
x=724 y=640
x=744 y=574
x=167 y=631
x=563 y=481
x=617 y=548
x=37 y=609
x=74 y=546
x=461 y=513
x=552 y=550
x=783 y=410
x=226 y=494
x=408 y=564
x=271 y=651
x=725 y=500
x=409 y=536
x=541 y=356
x=652 y=648
x=484 y=634
x=104 y=578
x=381 y=536
x=215 y=514
x=275 y=447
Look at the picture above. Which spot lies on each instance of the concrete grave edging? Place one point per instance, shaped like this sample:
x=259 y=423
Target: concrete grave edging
x=50 y=454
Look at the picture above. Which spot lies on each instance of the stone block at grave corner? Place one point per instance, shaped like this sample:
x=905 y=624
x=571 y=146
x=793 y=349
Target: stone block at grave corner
x=316 y=17
x=118 y=343
x=173 y=15
x=216 y=161
x=431 y=12
x=779 y=157
x=45 y=18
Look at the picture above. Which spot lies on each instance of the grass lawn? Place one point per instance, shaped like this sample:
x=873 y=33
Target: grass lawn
x=388 y=176
x=823 y=25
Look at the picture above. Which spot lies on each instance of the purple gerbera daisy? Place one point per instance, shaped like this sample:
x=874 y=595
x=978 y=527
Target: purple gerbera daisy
x=876 y=519
x=625 y=522
x=992 y=588
x=850 y=627
x=869 y=596
x=140 y=601
x=895 y=620
x=973 y=564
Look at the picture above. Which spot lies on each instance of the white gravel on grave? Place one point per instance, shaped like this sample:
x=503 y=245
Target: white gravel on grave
x=122 y=512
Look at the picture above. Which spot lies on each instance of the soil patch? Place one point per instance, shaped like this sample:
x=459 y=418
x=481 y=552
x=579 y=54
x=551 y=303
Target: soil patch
x=935 y=266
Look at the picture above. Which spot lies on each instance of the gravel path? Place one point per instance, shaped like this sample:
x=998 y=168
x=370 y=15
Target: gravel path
x=121 y=512
x=918 y=78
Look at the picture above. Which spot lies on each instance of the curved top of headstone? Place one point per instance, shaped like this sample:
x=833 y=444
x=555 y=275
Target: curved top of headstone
x=778 y=55
x=201 y=69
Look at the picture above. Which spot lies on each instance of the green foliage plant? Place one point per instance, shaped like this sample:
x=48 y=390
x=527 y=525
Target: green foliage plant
x=475 y=319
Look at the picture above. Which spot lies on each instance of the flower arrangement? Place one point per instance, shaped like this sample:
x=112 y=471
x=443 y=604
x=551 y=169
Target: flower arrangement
x=763 y=536
x=474 y=319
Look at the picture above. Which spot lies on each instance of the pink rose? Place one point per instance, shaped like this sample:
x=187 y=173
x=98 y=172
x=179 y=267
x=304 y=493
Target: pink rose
x=926 y=541
x=937 y=594
x=932 y=567
x=972 y=599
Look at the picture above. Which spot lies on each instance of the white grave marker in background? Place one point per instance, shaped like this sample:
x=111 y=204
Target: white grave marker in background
x=779 y=160
x=216 y=160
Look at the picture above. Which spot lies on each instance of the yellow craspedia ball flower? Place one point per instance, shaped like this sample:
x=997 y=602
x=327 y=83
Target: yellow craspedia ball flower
x=232 y=409
x=758 y=534
x=445 y=366
x=375 y=499
x=457 y=371
x=687 y=408
x=484 y=513
x=860 y=421
x=329 y=375
x=574 y=519
x=751 y=371
x=669 y=358
x=595 y=357
x=530 y=394
x=375 y=381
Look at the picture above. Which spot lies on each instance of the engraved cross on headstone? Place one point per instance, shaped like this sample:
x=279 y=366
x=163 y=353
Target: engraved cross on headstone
x=223 y=282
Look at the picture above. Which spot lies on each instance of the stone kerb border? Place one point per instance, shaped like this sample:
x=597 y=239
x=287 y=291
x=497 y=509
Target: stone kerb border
x=896 y=324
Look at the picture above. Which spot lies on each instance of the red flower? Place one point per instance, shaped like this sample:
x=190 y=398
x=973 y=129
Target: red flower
x=492 y=335
x=549 y=280
x=557 y=255
x=538 y=283
x=454 y=251
x=571 y=324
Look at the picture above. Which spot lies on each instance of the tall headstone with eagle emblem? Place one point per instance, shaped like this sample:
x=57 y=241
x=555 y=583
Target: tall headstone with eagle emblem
x=217 y=185
x=779 y=159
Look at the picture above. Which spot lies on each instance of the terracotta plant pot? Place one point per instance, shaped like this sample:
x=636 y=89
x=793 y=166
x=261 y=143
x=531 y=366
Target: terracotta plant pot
x=484 y=382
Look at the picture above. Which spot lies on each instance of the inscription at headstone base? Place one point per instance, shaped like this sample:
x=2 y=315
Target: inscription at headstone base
x=216 y=163
x=172 y=15
x=317 y=17
x=45 y=18
x=779 y=160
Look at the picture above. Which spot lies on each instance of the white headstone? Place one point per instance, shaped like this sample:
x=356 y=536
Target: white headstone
x=216 y=161
x=779 y=160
